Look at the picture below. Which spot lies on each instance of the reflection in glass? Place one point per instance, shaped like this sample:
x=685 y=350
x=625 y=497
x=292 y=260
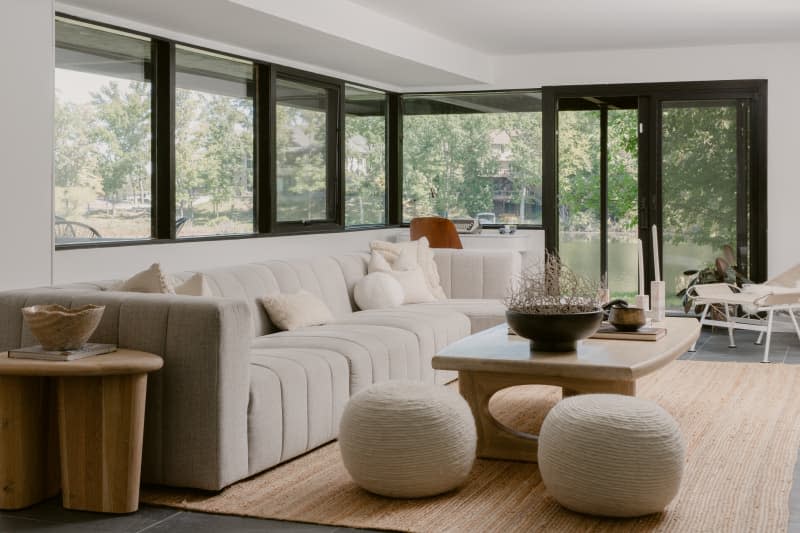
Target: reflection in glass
x=365 y=157
x=699 y=183
x=579 y=191
x=622 y=203
x=213 y=144
x=102 y=153
x=301 y=151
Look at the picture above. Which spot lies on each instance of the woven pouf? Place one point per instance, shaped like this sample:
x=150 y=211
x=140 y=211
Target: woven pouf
x=611 y=455
x=406 y=439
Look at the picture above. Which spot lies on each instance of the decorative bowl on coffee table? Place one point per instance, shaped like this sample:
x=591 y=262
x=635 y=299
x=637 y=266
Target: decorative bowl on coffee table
x=554 y=332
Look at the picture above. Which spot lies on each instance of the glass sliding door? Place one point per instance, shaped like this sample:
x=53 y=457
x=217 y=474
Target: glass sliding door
x=704 y=183
x=598 y=189
x=579 y=214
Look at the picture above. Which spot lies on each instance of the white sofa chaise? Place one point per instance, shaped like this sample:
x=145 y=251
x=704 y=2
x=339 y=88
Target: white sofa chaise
x=235 y=396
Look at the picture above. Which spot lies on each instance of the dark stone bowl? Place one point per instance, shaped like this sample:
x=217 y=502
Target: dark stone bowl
x=554 y=333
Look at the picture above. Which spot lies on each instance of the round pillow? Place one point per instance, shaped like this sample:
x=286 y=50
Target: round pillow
x=611 y=455
x=406 y=439
x=378 y=290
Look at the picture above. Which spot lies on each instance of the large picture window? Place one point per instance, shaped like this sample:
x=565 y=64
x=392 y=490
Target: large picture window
x=305 y=151
x=473 y=155
x=213 y=144
x=102 y=159
x=365 y=156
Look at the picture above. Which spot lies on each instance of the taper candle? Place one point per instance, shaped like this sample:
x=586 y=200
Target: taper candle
x=655 y=253
x=641 y=268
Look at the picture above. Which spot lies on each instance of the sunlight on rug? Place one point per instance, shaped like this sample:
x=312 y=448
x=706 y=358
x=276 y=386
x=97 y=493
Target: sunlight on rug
x=740 y=422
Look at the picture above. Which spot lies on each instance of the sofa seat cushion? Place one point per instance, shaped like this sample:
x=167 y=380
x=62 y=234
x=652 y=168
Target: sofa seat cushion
x=297 y=397
x=435 y=328
x=482 y=313
x=373 y=353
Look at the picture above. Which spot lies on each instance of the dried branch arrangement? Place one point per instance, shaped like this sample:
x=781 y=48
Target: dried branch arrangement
x=551 y=288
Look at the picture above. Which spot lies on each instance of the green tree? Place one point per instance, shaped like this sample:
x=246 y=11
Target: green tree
x=122 y=139
x=365 y=187
x=74 y=159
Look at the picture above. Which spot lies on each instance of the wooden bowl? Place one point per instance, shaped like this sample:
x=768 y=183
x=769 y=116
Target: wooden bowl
x=58 y=328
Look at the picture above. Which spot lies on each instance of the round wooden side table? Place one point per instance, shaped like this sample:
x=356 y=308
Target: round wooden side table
x=94 y=409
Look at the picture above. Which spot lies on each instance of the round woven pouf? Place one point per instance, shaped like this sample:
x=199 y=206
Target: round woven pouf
x=406 y=439
x=611 y=455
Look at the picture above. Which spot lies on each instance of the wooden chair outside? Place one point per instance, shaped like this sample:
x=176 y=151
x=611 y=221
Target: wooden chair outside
x=441 y=232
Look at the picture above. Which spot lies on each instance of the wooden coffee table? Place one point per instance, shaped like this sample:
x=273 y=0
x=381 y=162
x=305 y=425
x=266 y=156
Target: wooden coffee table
x=87 y=415
x=493 y=360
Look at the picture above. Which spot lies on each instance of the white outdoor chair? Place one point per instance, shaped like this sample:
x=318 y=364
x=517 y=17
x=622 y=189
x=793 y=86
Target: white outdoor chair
x=779 y=294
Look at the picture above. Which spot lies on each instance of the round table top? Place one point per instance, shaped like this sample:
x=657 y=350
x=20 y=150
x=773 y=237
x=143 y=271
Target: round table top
x=120 y=362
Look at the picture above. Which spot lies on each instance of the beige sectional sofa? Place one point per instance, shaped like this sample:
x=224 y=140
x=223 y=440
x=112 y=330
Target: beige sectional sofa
x=236 y=397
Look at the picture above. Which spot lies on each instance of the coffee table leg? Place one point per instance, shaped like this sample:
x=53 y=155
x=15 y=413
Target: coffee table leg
x=28 y=451
x=495 y=440
x=101 y=422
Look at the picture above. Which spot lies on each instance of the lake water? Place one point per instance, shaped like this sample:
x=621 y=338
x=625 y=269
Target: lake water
x=581 y=252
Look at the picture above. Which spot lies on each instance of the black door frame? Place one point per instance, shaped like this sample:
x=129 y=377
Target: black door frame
x=650 y=96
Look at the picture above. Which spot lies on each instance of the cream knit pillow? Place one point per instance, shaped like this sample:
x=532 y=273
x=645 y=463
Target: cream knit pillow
x=407 y=273
x=424 y=256
x=296 y=310
x=194 y=286
x=150 y=280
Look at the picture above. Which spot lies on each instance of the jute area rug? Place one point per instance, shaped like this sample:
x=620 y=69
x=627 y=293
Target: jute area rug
x=741 y=423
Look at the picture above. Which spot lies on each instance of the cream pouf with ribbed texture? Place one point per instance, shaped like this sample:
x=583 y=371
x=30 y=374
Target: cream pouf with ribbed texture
x=611 y=455
x=406 y=439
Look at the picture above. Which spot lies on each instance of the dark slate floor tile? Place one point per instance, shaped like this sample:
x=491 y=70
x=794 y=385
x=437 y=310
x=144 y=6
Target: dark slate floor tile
x=187 y=522
x=52 y=512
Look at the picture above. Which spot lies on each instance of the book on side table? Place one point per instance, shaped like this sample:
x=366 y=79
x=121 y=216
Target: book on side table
x=647 y=333
x=37 y=352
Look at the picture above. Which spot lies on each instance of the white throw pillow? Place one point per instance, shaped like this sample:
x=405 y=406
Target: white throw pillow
x=378 y=290
x=194 y=286
x=296 y=310
x=377 y=263
x=424 y=257
x=150 y=280
x=415 y=288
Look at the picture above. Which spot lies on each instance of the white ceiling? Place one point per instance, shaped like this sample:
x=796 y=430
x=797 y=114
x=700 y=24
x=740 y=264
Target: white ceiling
x=412 y=44
x=502 y=27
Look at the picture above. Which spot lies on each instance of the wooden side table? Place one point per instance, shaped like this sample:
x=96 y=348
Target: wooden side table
x=99 y=405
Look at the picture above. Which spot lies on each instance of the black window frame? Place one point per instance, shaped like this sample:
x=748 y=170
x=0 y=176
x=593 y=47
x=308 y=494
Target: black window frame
x=264 y=162
x=388 y=189
x=398 y=189
x=334 y=191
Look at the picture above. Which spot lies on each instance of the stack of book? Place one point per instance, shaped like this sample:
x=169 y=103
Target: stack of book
x=37 y=352
x=645 y=333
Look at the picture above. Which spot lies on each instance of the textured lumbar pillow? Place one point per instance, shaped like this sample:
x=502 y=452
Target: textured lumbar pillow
x=150 y=280
x=296 y=310
x=378 y=290
x=194 y=286
x=421 y=251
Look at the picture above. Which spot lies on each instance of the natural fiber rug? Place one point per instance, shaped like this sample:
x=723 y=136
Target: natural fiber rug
x=741 y=423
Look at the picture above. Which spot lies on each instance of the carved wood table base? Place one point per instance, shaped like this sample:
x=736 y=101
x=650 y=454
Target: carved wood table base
x=99 y=405
x=493 y=360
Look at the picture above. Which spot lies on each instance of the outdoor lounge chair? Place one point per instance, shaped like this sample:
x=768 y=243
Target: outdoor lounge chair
x=779 y=294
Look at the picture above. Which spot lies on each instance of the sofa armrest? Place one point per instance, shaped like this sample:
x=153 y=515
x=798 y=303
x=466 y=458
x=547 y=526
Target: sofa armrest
x=196 y=418
x=477 y=273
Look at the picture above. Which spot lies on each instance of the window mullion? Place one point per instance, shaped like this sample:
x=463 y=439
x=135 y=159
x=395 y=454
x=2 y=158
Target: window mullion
x=163 y=140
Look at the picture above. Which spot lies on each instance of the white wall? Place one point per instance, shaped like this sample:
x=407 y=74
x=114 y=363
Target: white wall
x=121 y=262
x=778 y=63
x=26 y=147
